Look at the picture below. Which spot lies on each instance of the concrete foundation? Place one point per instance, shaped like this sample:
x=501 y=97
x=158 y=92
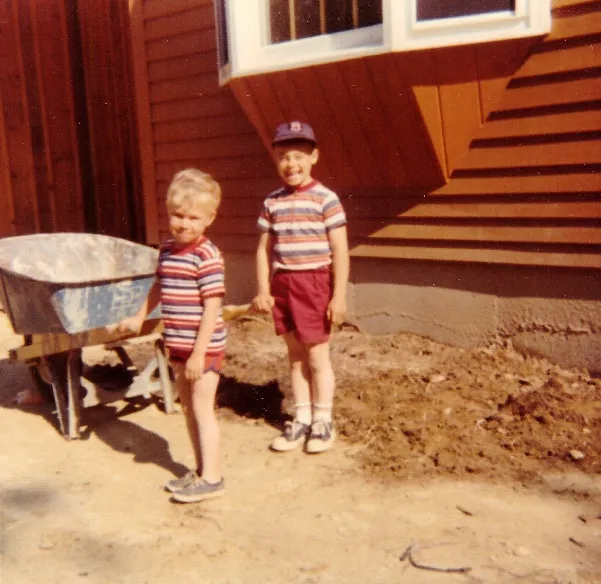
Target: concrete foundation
x=548 y=312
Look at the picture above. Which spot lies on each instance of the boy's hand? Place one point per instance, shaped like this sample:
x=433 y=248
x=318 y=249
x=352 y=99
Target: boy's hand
x=129 y=325
x=337 y=310
x=263 y=302
x=195 y=366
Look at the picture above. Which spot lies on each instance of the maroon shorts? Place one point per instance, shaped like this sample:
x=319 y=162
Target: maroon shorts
x=212 y=362
x=301 y=303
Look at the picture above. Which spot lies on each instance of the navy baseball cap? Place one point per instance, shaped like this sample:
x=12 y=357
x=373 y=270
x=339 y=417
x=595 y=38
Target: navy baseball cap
x=294 y=131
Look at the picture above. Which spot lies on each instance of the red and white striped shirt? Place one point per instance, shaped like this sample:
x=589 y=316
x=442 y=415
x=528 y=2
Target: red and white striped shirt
x=299 y=221
x=188 y=277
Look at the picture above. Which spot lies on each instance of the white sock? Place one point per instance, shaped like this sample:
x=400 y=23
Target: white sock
x=322 y=412
x=303 y=413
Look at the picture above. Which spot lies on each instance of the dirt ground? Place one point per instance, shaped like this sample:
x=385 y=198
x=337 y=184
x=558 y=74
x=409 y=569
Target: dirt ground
x=486 y=462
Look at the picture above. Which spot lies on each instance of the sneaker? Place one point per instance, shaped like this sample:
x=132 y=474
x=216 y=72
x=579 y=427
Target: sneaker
x=178 y=484
x=199 y=490
x=321 y=437
x=295 y=433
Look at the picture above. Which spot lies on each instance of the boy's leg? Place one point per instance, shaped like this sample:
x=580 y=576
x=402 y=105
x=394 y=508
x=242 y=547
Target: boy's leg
x=210 y=484
x=300 y=379
x=203 y=398
x=184 y=391
x=322 y=375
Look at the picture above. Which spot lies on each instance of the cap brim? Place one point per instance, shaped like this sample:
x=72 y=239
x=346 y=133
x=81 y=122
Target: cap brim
x=277 y=141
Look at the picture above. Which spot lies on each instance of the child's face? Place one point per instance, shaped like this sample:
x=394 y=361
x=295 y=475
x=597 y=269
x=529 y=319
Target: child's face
x=294 y=162
x=188 y=222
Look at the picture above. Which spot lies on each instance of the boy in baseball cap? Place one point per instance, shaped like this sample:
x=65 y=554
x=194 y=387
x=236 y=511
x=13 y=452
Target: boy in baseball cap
x=302 y=275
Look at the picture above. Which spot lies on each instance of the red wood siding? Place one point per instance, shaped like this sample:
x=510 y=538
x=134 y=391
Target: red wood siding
x=483 y=153
x=528 y=190
x=67 y=142
x=507 y=133
x=28 y=193
x=186 y=119
x=107 y=68
x=396 y=120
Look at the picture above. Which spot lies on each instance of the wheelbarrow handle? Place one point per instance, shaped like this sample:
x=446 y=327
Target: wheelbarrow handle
x=231 y=311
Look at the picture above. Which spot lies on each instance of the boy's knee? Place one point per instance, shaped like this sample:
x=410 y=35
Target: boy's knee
x=319 y=357
x=297 y=355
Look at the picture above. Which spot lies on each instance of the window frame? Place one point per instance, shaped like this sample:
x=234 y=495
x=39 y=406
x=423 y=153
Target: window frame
x=251 y=53
x=405 y=32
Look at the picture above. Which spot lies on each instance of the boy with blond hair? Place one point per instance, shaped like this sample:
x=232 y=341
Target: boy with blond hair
x=190 y=287
x=302 y=275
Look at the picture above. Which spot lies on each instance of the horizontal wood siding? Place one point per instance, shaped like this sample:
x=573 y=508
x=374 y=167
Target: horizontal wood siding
x=527 y=189
x=190 y=121
x=482 y=153
x=395 y=120
x=67 y=143
x=363 y=134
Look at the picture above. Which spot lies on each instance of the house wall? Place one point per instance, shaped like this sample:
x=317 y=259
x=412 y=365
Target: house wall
x=482 y=153
x=37 y=162
x=471 y=175
x=186 y=119
x=517 y=222
x=68 y=154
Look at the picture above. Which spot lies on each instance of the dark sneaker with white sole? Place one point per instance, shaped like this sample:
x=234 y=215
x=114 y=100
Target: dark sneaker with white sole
x=178 y=484
x=321 y=437
x=199 y=490
x=295 y=433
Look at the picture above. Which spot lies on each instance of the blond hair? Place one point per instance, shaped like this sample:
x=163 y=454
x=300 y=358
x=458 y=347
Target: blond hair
x=194 y=186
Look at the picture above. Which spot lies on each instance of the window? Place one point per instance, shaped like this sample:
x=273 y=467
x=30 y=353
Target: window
x=297 y=19
x=257 y=36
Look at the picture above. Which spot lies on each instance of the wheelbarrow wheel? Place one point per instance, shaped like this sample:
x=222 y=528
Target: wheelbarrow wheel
x=65 y=369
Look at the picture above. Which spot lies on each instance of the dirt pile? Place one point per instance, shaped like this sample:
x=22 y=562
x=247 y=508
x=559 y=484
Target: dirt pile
x=416 y=408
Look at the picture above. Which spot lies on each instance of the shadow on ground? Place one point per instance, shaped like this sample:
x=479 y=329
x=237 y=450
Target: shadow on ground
x=257 y=402
x=107 y=423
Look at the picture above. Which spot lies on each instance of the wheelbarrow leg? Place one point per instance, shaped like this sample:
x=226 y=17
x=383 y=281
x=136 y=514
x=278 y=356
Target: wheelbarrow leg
x=65 y=369
x=164 y=376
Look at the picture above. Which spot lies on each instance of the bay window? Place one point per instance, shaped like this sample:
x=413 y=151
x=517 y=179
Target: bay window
x=257 y=36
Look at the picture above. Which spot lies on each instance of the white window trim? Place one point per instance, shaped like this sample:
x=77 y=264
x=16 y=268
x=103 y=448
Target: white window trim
x=250 y=51
x=406 y=33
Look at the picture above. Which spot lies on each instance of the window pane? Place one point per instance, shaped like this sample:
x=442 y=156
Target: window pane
x=307 y=18
x=431 y=9
x=279 y=16
x=339 y=15
x=315 y=17
x=370 y=12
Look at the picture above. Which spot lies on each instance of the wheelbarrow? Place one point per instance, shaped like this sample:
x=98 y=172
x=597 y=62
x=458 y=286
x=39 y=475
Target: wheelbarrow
x=60 y=291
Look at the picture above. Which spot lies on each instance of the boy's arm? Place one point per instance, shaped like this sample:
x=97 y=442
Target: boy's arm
x=195 y=363
x=263 y=302
x=341 y=267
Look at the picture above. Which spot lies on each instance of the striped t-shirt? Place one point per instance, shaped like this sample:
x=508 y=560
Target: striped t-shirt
x=299 y=221
x=188 y=277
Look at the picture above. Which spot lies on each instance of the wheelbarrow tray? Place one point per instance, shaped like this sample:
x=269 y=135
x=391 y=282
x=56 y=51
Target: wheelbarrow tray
x=72 y=282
